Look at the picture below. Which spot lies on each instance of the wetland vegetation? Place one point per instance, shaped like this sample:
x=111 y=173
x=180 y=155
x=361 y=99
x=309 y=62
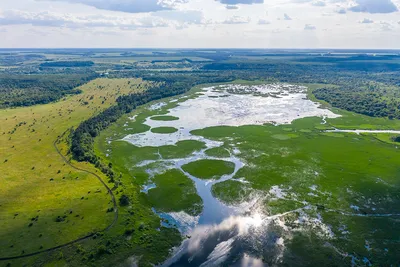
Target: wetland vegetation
x=289 y=162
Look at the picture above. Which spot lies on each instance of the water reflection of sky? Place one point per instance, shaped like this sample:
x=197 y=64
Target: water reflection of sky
x=234 y=110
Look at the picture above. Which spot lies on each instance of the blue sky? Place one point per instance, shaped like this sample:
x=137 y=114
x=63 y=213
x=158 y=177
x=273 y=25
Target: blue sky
x=201 y=23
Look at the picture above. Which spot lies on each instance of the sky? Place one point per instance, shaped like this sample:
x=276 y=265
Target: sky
x=361 y=24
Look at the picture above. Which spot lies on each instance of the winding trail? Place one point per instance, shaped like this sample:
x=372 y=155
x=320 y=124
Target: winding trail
x=110 y=192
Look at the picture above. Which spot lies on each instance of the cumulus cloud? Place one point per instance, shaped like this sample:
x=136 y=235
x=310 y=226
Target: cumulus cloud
x=309 y=27
x=367 y=21
x=374 y=6
x=341 y=11
x=245 y=2
x=237 y=20
x=318 y=3
x=130 y=6
x=49 y=19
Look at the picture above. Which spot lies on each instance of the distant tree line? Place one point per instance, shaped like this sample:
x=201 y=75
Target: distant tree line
x=67 y=64
x=10 y=59
x=364 y=101
x=26 y=90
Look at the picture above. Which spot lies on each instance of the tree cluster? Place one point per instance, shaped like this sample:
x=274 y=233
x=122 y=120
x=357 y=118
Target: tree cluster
x=27 y=90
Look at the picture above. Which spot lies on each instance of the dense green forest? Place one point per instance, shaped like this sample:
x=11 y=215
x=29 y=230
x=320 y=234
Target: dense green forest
x=371 y=101
x=67 y=64
x=26 y=90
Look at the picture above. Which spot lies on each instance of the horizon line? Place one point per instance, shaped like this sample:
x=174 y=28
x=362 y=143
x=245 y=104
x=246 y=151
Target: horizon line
x=196 y=48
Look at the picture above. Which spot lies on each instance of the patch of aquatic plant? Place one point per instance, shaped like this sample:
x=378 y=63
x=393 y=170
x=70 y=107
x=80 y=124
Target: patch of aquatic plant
x=174 y=192
x=209 y=168
x=164 y=130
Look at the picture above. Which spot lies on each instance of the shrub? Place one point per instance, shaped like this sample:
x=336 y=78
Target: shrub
x=111 y=209
x=124 y=200
x=60 y=219
x=129 y=231
x=396 y=138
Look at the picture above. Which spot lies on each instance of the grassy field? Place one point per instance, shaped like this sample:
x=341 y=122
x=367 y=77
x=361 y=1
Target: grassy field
x=44 y=202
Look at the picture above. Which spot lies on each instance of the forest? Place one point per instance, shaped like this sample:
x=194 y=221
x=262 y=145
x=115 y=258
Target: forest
x=374 y=103
x=26 y=90
x=67 y=64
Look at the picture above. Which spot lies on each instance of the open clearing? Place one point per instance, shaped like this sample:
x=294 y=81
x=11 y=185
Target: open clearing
x=45 y=202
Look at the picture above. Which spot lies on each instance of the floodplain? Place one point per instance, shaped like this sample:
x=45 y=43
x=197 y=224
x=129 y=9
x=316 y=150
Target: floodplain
x=259 y=173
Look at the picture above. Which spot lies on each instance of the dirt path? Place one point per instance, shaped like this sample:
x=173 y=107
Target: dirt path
x=82 y=238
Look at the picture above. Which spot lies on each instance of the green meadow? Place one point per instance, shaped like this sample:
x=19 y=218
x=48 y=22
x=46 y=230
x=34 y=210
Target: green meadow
x=45 y=202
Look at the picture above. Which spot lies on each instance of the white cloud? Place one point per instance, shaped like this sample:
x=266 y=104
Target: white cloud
x=309 y=27
x=236 y=20
x=231 y=7
x=318 y=3
x=130 y=6
x=49 y=19
x=386 y=26
x=246 y=2
x=367 y=21
x=341 y=11
x=185 y=16
x=198 y=23
x=374 y=6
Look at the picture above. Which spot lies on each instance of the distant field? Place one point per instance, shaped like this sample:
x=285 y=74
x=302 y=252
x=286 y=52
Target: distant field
x=133 y=59
x=44 y=202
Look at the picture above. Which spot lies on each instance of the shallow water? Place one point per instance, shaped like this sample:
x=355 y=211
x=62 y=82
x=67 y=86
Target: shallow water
x=221 y=108
x=223 y=233
x=363 y=131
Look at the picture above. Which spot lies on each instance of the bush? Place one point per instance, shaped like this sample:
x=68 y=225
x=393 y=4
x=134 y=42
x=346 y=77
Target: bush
x=124 y=200
x=396 y=139
x=60 y=219
x=129 y=231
